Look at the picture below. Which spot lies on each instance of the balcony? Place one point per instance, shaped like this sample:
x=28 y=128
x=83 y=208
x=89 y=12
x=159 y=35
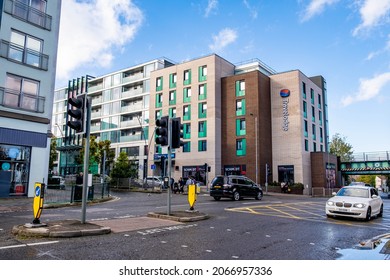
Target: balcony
x=132 y=92
x=133 y=77
x=130 y=123
x=23 y=55
x=131 y=108
x=23 y=101
x=28 y=14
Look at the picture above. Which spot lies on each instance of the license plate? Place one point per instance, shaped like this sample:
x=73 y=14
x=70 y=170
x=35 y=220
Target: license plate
x=343 y=210
x=217 y=187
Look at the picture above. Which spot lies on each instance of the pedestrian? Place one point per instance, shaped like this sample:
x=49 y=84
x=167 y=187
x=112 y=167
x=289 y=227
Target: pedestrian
x=80 y=179
x=181 y=185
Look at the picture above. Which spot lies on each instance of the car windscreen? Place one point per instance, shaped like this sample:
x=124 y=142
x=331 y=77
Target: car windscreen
x=354 y=192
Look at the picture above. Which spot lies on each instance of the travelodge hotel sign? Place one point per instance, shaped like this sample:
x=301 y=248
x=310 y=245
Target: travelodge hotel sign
x=285 y=93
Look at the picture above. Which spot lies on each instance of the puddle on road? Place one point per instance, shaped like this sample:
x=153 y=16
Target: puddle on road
x=381 y=251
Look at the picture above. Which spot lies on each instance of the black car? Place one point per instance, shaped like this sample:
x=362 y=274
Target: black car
x=234 y=187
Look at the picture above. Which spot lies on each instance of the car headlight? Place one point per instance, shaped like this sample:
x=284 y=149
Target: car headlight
x=359 y=205
x=330 y=203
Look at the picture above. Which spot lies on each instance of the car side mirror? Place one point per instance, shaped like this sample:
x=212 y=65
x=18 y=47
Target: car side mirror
x=374 y=196
x=334 y=193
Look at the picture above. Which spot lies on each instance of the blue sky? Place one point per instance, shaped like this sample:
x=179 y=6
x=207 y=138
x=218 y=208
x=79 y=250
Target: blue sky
x=346 y=41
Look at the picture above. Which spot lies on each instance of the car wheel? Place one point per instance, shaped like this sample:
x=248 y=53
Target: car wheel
x=368 y=214
x=236 y=196
x=329 y=216
x=217 y=198
x=381 y=211
x=259 y=196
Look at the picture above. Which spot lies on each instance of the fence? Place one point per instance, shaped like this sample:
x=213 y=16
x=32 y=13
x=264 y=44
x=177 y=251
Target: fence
x=73 y=193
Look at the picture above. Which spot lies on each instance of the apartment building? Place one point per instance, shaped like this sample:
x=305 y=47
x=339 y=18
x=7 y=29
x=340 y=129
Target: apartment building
x=120 y=114
x=28 y=52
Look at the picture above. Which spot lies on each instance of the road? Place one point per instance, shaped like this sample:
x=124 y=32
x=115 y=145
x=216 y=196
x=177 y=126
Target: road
x=279 y=227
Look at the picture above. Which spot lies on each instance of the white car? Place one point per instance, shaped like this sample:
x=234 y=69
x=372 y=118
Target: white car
x=153 y=181
x=361 y=202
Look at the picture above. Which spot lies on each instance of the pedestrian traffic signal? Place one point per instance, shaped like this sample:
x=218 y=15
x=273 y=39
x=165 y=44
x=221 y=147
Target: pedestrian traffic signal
x=177 y=133
x=162 y=131
x=77 y=112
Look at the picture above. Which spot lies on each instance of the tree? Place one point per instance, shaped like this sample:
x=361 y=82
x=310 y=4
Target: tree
x=368 y=179
x=123 y=168
x=53 y=153
x=339 y=147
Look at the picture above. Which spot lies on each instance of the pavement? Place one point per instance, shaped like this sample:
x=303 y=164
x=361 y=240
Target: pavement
x=75 y=228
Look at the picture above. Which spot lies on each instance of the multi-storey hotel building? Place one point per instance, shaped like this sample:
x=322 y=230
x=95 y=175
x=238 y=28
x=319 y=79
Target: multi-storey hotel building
x=28 y=54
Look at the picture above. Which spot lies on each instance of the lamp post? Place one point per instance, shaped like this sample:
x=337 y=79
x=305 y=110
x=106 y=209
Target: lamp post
x=146 y=147
x=66 y=152
x=256 y=140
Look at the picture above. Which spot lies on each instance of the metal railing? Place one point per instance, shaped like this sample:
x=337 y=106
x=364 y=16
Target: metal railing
x=370 y=156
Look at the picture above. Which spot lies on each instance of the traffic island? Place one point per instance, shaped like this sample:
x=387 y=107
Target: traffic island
x=180 y=216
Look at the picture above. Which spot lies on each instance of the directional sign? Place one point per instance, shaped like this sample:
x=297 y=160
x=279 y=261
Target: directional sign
x=192 y=196
x=38 y=201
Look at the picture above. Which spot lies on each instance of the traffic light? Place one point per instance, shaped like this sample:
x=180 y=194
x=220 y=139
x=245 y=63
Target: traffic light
x=162 y=131
x=177 y=133
x=268 y=169
x=77 y=112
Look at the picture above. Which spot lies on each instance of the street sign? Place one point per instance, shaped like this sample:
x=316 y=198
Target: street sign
x=38 y=202
x=192 y=196
x=153 y=167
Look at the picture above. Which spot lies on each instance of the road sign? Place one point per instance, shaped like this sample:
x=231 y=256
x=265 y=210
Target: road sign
x=38 y=201
x=153 y=166
x=191 y=196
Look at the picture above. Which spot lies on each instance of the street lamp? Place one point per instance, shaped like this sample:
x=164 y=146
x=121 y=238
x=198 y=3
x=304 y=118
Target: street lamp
x=146 y=146
x=257 y=154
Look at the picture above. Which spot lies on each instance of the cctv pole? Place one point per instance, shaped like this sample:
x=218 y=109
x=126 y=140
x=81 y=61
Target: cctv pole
x=169 y=166
x=86 y=161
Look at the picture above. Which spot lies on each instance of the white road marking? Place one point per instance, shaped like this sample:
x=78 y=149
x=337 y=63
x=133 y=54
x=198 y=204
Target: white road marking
x=28 y=244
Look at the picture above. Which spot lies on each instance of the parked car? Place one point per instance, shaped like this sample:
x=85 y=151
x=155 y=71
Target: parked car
x=234 y=187
x=153 y=181
x=355 y=201
x=56 y=182
x=360 y=184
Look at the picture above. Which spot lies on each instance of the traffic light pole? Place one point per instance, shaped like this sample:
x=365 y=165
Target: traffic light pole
x=169 y=166
x=86 y=161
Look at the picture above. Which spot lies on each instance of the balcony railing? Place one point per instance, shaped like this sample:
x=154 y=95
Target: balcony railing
x=23 y=55
x=14 y=99
x=27 y=13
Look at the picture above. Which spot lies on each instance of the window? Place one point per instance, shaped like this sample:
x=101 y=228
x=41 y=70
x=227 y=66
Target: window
x=202 y=145
x=172 y=97
x=321 y=136
x=27 y=49
x=172 y=112
x=312 y=96
x=240 y=88
x=187 y=147
x=304 y=109
x=159 y=83
x=187 y=94
x=306 y=132
x=202 y=92
x=187 y=112
x=202 y=73
x=186 y=131
x=319 y=101
x=202 y=110
x=159 y=97
x=313 y=128
x=158 y=114
x=240 y=107
x=32 y=11
x=202 y=129
x=241 y=147
x=187 y=77
x=320 y=117
x=22 y=93
x=130 y=151
x=306 y=145
x=304 y=90
x=313 y=114
x=172 y=80
x=240 y=127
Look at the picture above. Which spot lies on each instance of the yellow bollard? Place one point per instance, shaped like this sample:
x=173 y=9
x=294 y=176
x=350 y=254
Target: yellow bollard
x=38 y=202
x=192 y=196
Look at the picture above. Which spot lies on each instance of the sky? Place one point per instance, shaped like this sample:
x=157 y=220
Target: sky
x=345 y=41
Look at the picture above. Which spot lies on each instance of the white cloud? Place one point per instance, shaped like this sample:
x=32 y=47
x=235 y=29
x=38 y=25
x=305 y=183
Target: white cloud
x=225 y=37
x=316 y=7
x=368 y=89
x=372 y=13
x=252 y=11
x=211 y=6
x=91 y=30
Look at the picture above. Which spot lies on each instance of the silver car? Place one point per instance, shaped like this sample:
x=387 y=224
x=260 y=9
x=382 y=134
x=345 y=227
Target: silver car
x=361 y=202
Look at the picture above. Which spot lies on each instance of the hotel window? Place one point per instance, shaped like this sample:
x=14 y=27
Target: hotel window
x=240 y=127
x=202 y=73
x=321 y=136
x=202 y=92
x=27 y=49
x=172 y=80
x=241 y=147
x=319 y=101
x=306 y=132
x=159 y=97
x=314 y=147
x=158 y=114
x=172 y=97
x=202 y=110
x=187 y=77
x=312 y=95
x=187 y=147
x=313 y=114
x=22 y=93
x=240 y=107
x=240 y=88
x=187 y=94
x=320 y=117
x=186 y=112
x=313 y=131
x=304 y=90
x=186 y=131
x=159 y=83
x=202 y=145
x=306 y=145
x=172 y=112
x=202 y=129
x=304 y=109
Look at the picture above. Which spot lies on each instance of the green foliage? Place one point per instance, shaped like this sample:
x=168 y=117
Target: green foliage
x=339 y=147
x=53 y=153
x=368 y=179
x=123 y=168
